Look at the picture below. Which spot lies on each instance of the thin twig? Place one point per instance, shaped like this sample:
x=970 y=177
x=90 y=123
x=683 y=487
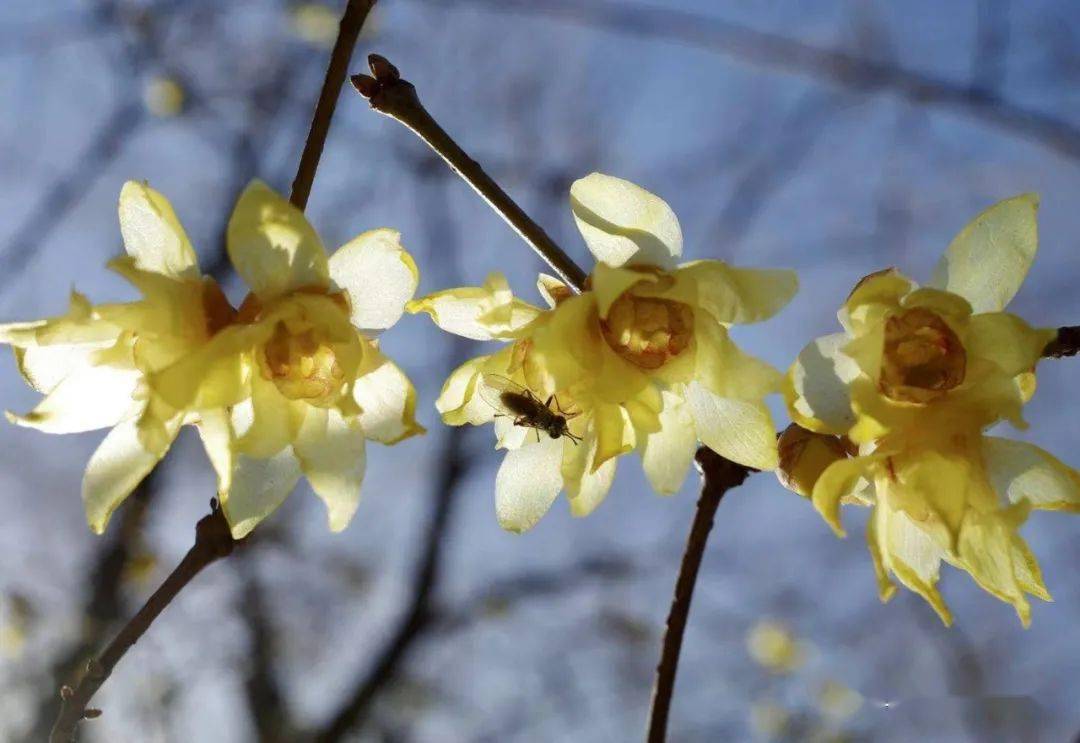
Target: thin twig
x=718 y=475
x=352 y=21
x=1067 y=343
x=213 y=541
x=397 y=98
x=213 y=538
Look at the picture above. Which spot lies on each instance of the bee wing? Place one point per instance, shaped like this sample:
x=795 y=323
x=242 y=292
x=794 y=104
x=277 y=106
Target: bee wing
x=491 y=388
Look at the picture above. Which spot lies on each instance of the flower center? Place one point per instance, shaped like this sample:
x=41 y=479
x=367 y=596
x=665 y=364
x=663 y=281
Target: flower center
x=647 y=331
x=302 y=365
x=923 y=358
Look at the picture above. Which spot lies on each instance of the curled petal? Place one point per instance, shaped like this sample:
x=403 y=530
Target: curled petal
x=987 y=262
x=623 y=223
x=816 y=389
x=527 y=483
x=741 y=430
x=1022 y=471
x=378 y=275
x=152 y=234
x=88 y=398
x=387 y=400
x=482 y=313
x=331 y=453
x=585 y=490
x=609 y=283
x=840 y=480
x=272 y=245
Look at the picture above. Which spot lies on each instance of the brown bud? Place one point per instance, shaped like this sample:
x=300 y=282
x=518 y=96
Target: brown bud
x=804 y=455
x=382 y=69
x=365 y=85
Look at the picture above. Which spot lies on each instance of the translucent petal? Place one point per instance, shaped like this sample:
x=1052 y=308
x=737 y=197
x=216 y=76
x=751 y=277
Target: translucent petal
x=1006 y=340
x=272 y=245
x=840 y=480
x=585 y=490
x=153 y=235
x=459 y=403
x=816 y=390
x=276 y=420
x=331 y=452
x=608 y=284
x=552 y=289
x=258 y=487
x=986 y=549
x=614 y=437
x=666 y=455
x=87 y=399
x=215 y=431
x=911 y=555
x=117 y=466
x=45 y=367
x=623 y=223
x=378 y=275
x=729 y=372
x=740 y=295
x=1019 y=470
x=741 y=430
x=481 y=313
x=386 y=398
x=987 y=262
x=527 y=483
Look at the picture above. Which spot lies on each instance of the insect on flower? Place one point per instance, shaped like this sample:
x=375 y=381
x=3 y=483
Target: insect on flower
x=511 y=399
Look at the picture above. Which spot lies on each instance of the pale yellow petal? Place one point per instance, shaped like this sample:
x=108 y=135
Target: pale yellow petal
x=527 y=483
x=331 y=453
x=816 y=390
x=726 y=370
x=482 y=313
x=1006 y=340
x=740 y=430
x=614 y=437
x=740 y=295
x=257 y=488
x=215 y=431
x=378 y=275
x=272 y=245
x=117 y=466
x=152 y=234
x=387 y=400
x=911 y=555
x=459 y=401
x=275 y=420
x=609 y=283
x=987 y=262
x=584 y=489
x=666 y=454
x=623 y=223
x=88 y=398
x=1019 y=471
x=840 y=480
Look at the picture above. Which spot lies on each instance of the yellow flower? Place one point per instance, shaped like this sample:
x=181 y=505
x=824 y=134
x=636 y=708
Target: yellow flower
x=92 y=362
x=641 y=359
x=297 y=384
x=915 y=378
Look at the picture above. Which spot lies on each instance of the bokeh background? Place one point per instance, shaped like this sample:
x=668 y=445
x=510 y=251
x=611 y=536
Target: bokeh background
x=836 y=138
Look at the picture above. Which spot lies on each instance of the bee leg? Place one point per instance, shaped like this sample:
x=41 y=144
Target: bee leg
x=547 y=402
x=537 y=435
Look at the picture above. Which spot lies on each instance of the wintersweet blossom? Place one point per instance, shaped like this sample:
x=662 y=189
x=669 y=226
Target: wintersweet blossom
x=914 y=380
x=640 y=360
x=91 y=364
x=297 y=383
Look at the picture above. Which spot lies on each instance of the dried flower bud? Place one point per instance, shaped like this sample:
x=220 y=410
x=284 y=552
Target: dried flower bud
x=382 y=69
x=804 y=455
x=365 y=85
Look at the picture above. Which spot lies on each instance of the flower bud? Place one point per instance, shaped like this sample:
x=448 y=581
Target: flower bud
x=804 y=455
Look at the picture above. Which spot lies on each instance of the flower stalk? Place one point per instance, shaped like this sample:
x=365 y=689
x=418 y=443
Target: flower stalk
x=213 y=538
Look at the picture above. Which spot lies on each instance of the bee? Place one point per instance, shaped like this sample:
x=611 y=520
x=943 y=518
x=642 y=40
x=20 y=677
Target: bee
x=512 y=400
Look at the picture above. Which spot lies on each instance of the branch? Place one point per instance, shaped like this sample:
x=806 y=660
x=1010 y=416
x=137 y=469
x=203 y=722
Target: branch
x=1067 y=343
x=397 y=98
x=352 y=21
x=718 y=475
x=213 y=541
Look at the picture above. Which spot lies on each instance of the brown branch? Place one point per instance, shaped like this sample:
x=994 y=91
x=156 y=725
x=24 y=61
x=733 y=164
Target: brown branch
x=390 y=95
x=1067 y=343
x=718 y=475
x=356 y=12
x=212 y=542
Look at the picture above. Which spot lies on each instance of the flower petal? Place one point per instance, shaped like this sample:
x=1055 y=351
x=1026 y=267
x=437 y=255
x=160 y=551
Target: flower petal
x=331 y=452
x=911 y=555
x=527 y=483
x=153 y=235
x=816 y=390
x=608 y=284
x=1019 y=471
x=622 y=223
x=274 y=423
x=117 y=466
x=215 y=430
x=482 y=313
x=553 y=290
x=272 y=245
x=257 y=488
x=666 y=455
x=1006 y=340
x=987 y=262
x=614 y=435
x=378 y=275
x=386 y=398
x=584 y=489
x=87 y=399
x=729 y=372
x=740 y=295
x=741 y=430
x=460 y=402
x=841 y=479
